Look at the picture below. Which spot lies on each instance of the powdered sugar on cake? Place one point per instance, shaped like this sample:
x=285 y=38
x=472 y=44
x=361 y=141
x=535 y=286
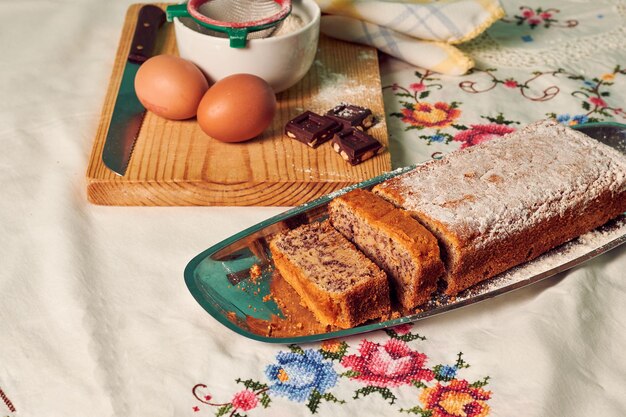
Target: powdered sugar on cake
x=545 y=168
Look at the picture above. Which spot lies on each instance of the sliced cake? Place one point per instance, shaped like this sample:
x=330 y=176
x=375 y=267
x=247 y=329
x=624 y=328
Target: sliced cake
x=394 y=240
x=339 y=284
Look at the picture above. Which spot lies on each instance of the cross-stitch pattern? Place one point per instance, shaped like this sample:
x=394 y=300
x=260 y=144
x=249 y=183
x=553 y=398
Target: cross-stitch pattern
x=311 y=376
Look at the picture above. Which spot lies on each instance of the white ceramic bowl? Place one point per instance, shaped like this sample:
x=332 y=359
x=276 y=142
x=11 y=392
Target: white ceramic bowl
x=282 y=61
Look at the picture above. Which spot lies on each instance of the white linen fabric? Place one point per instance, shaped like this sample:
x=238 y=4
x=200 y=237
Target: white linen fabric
x=96 y=320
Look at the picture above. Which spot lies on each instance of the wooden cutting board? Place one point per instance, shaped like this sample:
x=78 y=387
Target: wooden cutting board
x=175 y=164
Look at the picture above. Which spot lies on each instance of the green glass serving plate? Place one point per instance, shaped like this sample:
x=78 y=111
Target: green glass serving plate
x=232 y=280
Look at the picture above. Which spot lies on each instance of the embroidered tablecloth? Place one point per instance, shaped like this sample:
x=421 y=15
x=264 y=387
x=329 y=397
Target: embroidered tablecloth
x=95 y=318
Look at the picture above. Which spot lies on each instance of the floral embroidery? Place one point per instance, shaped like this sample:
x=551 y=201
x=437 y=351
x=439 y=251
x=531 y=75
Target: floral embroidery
x=389 y=365
x=539 y=17
x=548 y=93
x=438 y=115
x=310 y=375
x=594 y=94
x=245 y=400
x=297 y=375
x=458 y=398
x=481 y=133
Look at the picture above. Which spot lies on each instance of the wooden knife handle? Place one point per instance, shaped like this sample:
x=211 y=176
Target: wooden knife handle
x=150 y=19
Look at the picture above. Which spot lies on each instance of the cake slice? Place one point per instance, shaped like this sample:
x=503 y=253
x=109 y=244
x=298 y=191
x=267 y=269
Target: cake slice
x=339 y=284
x=395 y=241
x=507 y=201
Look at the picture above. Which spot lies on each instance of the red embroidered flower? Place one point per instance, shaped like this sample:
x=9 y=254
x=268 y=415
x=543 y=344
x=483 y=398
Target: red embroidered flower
x=481 y=133
x=389 y=365
x=417 y=87
x=437 y=115
x=545 y=15
x=510 y=83
x=402 y=328
x=245 y=400
x=598 y=101
x=528 y=13
x=534 y=21
x=456 y=399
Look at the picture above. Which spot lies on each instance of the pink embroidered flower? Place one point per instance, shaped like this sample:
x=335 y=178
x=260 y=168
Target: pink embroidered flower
x=510 y=83
x=402 y=329
x=438 y=115
x=389 y=365
x=598 y=101
x=527 y=13
x=545 y=15
x=533 y=21
x=481 y=133
x=417 y=87
x=245 y=400
x=394 y=87
x=456 y=399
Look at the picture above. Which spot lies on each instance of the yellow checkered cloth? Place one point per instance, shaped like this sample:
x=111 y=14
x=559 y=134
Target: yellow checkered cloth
x=421 y=33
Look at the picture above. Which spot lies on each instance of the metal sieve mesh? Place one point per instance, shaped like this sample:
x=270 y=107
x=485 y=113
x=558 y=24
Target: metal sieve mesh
x=238 y=20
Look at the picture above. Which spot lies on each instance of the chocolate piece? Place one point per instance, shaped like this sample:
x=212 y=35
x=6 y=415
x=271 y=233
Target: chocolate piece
x=355 y=146
x=311 y=128
x=352 y=116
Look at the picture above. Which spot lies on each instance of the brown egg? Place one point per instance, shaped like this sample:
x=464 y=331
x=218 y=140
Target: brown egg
x=237 y=108
x=170 y=87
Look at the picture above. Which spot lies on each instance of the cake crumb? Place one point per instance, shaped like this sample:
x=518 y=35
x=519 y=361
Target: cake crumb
x=255 y=272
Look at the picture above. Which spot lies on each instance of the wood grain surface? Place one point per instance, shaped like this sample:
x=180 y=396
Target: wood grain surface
x=175 y=164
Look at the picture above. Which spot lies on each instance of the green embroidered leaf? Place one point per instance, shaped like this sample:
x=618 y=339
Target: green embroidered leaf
x=417 y=410
x=239 y=415
x=350 y=374
x=460 y=363
x=424 y=94
x=251 y=384
x=408 y=337
x=404 y=95
x=338 y=355
x=384 y=392
x=586 y=105
x=418 y=384
x=265 y=400
x=331 y=398
x=418 y=74
x=605 y=93
x=314 y=401
x=395 y=114
x=459 y=127
x=223 y=410
x=413 y=127
x=481 y=383
x=296 y=349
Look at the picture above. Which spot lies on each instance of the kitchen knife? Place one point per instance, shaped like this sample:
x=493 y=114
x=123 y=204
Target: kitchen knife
x=128 y=112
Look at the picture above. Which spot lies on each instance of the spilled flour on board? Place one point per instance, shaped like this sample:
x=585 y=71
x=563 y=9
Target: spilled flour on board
x=336 y=88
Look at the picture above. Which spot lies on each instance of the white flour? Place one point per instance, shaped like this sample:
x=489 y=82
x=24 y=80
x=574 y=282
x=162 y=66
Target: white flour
x=291 y=23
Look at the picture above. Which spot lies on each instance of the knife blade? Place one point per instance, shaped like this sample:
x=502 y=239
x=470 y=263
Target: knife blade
x=128 y=112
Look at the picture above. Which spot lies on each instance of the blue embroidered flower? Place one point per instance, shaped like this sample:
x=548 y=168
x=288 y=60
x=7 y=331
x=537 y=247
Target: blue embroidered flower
x=296 y=375
x=437 y=138
x=446 y=372
x=589 y=84
x=580 y=118
x=562 y=118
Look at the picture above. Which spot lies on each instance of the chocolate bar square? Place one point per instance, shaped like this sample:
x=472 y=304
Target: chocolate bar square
x=352 y=116
x=311 y=128
x=355 y=146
